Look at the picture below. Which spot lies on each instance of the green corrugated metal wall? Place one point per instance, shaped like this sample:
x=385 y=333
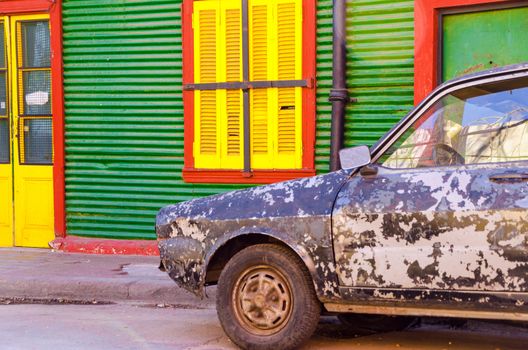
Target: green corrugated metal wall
x=324 y=84
x=380 y=40
x=124 y=116
x=124 y=110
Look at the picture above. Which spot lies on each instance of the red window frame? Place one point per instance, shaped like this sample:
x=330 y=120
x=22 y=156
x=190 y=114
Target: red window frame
x=426 y=40
x=193 y=175
x=54 y=9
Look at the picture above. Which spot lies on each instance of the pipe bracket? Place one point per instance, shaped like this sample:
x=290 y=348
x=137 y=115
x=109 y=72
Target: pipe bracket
x=341 y=95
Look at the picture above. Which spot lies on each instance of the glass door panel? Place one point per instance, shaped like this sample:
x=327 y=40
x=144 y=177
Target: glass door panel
x=33 y=161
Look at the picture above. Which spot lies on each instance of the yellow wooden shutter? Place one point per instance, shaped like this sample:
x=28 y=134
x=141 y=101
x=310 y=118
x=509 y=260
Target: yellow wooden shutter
x=260 y=59
x=218 y=59
x=206 y=141
x=232 y=144
x=275 y=45
x=276 y=54
x=288 y=150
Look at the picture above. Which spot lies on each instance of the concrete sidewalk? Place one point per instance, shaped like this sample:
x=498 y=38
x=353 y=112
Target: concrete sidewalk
x=45 y=274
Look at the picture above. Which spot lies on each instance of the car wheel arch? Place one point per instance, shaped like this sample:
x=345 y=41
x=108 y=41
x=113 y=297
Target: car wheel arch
x=223 y=251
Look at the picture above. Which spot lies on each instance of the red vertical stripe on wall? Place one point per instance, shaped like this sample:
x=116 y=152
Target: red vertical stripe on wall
x=58 y=118
x=309 y=73
x=188 y=78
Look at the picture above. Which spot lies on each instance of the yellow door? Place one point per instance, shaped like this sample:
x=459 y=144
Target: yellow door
x=28 y=187
x=6 y=167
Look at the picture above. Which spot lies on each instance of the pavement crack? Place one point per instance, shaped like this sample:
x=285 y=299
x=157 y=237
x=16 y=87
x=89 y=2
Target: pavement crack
x=50 y=301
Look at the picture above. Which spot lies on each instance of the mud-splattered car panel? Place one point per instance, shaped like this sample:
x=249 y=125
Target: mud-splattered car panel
x=416 y=236
x=446 y=230
x=296 y=212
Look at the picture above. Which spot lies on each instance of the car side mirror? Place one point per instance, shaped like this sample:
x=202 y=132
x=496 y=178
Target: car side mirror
x=355 y=157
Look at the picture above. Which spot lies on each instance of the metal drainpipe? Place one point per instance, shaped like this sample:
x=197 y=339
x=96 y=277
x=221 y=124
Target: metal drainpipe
x=339 y=93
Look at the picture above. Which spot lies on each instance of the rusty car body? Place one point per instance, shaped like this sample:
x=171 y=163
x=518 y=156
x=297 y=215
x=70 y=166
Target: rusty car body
x=435 y=223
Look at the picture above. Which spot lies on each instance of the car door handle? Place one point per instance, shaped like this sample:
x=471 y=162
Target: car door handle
x=509 y=178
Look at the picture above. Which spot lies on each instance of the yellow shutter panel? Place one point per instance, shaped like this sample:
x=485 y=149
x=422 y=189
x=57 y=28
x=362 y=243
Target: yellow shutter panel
x=260 y=59
x=288 y=150
x=218 y=58
x=276 y=54
x=275 y=50
x=206 y=141
x=232 y=143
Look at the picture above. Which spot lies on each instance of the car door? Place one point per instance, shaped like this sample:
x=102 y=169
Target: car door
x=445 y=208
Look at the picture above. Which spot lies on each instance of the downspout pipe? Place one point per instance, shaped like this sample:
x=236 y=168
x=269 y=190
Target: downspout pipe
x=339 y=93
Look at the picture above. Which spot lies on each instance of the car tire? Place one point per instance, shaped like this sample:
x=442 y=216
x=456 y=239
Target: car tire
x=377 y=323
x=266 y=299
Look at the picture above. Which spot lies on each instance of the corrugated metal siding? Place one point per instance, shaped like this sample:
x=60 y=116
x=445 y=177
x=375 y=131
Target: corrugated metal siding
x=124 y=109
x=380 y=40
x=124 y=116
x=324 y=84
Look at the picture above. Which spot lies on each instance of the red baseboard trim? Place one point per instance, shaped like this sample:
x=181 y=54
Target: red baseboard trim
x=73 y=244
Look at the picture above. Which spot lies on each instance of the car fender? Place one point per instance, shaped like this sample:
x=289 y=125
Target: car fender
x=299 y=249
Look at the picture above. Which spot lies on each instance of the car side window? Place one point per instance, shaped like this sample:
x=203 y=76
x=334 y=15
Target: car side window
x=479 y=124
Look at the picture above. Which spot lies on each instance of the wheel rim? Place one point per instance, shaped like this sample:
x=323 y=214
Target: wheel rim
x=263 y=300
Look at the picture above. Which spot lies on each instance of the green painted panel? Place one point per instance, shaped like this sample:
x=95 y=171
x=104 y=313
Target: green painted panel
x=124 y=113
x=124 y=116
x=380 y=70
x=324 y=84
x=380 y=67
x=481 y=40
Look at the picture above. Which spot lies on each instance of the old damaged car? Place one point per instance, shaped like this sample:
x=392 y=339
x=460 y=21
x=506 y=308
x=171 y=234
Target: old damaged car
x=432 y=220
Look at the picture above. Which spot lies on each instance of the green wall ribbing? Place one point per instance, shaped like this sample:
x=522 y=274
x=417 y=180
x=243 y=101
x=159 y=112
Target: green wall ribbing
x=380 y=69
x=124 y=116
x=124 y=109
x=324 y=84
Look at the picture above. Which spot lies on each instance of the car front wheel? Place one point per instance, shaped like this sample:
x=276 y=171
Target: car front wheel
x=266 y=300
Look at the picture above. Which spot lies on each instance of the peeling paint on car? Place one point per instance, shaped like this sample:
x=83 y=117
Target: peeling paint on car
x=442 y=229
x=296 y=212
x=440 y=237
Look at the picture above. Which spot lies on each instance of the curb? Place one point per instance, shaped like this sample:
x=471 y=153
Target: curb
x=103 y=291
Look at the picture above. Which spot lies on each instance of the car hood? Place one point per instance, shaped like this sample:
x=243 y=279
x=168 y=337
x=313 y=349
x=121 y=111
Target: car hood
x=301 y=197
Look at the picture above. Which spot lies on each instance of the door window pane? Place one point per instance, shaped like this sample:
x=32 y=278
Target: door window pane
x=37 y=92
x=3 y=94
x=2 y=46
x=35 y=44
x=4 y=140
x=481 y=124
x=37 y=142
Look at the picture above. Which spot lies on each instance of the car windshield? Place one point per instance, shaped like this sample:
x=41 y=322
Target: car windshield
x=479 y=124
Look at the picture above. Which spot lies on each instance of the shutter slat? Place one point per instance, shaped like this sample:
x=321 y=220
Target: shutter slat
x=206 y=151
x=233 y=33
x=259 y=62
x=286 y=126
x=286 y=23
x=207 y=42
x=286 y=121
x=259 y=35
x=208 y=122
x=259 y=121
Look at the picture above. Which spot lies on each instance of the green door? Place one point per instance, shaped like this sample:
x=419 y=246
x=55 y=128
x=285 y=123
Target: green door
x=477 y=41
